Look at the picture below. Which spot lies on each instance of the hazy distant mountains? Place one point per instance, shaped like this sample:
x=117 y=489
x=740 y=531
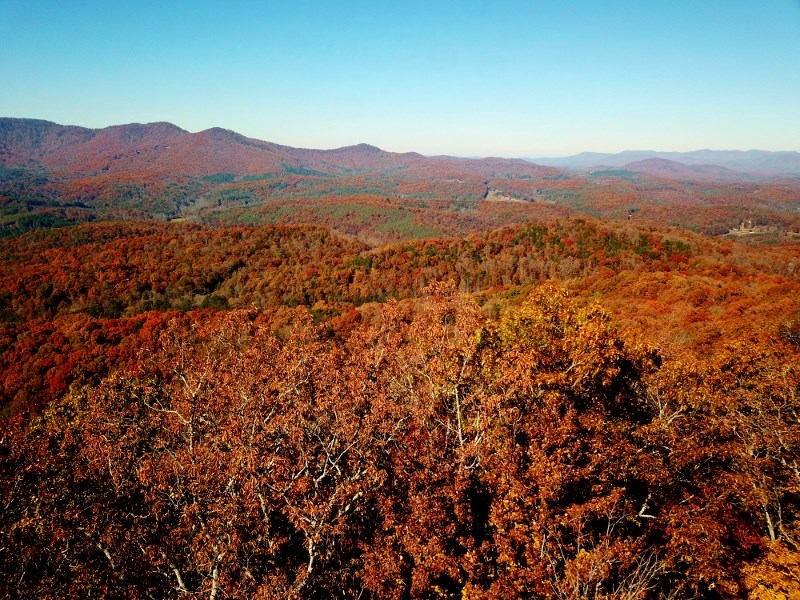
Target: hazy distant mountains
x=670 y=169
x=731 y=162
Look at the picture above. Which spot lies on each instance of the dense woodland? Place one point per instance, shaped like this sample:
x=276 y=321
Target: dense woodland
x=357 y=374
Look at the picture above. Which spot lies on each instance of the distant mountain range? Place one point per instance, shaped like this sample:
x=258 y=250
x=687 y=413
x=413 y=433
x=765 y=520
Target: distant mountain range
x=729 y=164
x=670 y=169
x=54 y=175
x=162 y=148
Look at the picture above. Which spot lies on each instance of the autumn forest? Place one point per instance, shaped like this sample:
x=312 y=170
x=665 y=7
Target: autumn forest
x=234 y=369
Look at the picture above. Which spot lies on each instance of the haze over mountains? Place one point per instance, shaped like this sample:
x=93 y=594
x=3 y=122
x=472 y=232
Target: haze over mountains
x=750 y=162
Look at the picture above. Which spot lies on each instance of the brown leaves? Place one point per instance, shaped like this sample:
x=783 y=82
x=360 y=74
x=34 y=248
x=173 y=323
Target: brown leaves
x=428 y=453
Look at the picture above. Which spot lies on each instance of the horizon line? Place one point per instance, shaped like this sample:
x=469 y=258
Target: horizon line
x=526 y=157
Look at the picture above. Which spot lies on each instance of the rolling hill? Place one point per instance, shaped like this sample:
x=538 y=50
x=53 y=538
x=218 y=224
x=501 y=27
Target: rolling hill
x=53 y=175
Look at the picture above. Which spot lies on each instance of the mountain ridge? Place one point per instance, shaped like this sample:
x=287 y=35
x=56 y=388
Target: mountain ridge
x=671 y=169
x=765 y=163
x=161 y=148
x=53 y=175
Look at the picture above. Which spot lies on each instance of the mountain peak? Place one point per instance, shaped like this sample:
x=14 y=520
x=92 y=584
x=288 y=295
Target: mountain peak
x=363 y=148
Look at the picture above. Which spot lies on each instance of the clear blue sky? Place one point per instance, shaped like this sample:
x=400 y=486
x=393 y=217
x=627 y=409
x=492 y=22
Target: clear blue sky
x=503 y=78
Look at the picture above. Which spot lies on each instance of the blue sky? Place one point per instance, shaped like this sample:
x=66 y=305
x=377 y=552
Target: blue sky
x=504 y=78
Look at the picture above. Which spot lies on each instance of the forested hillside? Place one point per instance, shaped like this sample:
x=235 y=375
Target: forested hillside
x=567 y=408
x=234 y=369
x=52 y=175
